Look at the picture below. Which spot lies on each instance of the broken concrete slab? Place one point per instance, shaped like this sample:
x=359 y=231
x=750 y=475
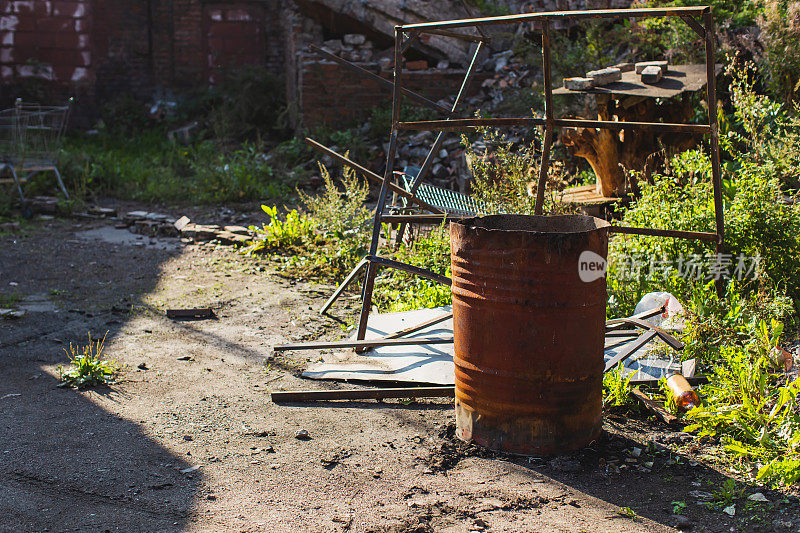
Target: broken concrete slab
x=379 y=17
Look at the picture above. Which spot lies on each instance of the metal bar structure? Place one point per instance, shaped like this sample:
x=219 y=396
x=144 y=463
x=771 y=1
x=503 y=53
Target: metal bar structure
x=405 y=34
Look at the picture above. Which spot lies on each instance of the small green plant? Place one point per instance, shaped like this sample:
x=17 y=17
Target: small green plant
x=87 y=365
x=293 y=230
x=616 y=388
x=9 y=300
x=627 y=512
x=727 y=494
x=678 y=507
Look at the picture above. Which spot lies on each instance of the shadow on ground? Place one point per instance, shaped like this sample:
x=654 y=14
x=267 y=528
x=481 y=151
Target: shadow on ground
x=67 y=464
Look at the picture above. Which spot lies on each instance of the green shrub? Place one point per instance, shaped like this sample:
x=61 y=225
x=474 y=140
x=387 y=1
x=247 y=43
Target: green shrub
x=762 y=233
x=400 y=291
x=753 y=409
x=506 y=177
x=781 y=34
x=295 y=229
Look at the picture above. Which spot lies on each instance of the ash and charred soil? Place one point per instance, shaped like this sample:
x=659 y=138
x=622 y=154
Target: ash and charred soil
x=188 y=440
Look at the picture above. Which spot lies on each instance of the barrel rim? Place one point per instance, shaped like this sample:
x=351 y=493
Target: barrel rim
x=582 y=224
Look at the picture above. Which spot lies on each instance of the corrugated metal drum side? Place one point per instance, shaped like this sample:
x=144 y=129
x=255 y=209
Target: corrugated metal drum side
x=528 y=332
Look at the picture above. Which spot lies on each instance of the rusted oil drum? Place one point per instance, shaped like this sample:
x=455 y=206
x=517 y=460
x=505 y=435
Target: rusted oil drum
x=529 y=301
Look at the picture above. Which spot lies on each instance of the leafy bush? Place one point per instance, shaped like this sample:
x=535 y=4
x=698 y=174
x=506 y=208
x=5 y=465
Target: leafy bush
x=333 y=231
x=342 y=223
x=762 y=233
x=506 y=177
x=87 y=367
x=401 y=291
x=753 y=409
x=293 y=230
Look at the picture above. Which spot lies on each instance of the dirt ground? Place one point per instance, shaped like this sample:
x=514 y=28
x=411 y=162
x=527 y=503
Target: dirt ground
x=189 y=440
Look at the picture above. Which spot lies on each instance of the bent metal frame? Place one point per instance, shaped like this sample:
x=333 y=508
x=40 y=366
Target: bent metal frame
x=405 y=36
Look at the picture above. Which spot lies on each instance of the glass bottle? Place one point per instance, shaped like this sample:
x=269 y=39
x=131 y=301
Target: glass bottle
x=685 y=396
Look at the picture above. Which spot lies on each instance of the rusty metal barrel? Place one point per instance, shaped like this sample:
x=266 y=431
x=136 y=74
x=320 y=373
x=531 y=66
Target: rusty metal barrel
x=529 y=308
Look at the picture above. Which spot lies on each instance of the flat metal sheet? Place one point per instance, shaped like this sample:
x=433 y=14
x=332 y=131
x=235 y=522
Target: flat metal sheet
x=407 y=364
x=434 y=364
x=678 y=79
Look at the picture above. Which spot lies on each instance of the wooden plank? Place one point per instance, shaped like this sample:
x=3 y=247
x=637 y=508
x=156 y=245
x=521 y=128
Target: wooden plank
x=363 y=394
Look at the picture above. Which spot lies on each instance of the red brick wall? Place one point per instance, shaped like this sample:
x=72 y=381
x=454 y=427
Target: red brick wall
x=233 y=36
x=47 y=40
x=99 y=49
x=329 y=94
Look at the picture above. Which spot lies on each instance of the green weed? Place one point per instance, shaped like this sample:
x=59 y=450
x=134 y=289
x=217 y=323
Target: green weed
x=9 y=300
x=627 y=512
x=678 y=507
x=753 y=410
x=616 y=388
x=87 y=366
x=293 y=230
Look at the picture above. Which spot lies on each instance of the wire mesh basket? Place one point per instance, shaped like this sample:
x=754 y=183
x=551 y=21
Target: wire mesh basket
x=30 y=138
x=39 y=129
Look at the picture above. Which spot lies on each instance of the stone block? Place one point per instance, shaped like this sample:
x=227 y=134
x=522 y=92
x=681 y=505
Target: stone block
x=578 y=84
x=652 y=74
x=605 y=75
x=644 y=64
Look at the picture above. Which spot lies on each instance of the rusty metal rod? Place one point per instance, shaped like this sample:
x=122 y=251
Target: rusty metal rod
x=372 y=269
x=696 y=26
x=411 y=269
x=370 y=175
x=365 y=394
x=615 y=125
x=678 y=234
x=423 y=325
x=585 y=14
x=548 y=117
x=716 y=172
x=342 y=286
x=413 y=38
x=465 y=124
x=379 y=79
x=363 y=343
